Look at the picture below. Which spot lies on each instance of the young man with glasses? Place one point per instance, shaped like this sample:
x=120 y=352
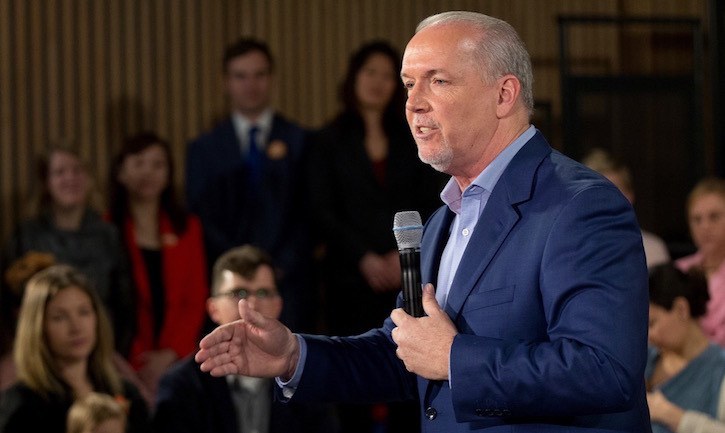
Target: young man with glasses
x=191 y=401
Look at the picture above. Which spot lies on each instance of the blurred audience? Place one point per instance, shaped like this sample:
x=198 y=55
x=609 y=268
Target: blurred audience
x=243 y=180
x=363 y=168
x=64 y=223
x=195 y=402
x=97 y=413
x=63 y=352
x=706 y=217
x=655 y=249
x=685 y=372
x=166 y=251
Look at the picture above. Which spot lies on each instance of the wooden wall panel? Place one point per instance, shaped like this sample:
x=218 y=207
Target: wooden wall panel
x=94 y=71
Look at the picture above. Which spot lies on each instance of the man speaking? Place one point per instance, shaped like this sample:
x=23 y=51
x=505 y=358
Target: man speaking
x=538 y=319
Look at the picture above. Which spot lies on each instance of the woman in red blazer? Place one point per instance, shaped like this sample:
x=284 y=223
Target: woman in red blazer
x=166 y=251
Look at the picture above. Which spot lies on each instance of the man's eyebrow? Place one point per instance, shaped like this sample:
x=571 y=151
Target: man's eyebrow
x=429 y=73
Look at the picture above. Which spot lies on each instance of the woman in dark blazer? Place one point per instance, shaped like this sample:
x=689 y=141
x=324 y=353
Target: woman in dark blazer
x=364 y=168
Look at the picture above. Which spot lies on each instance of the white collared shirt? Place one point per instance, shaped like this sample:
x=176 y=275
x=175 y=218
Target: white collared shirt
x=242 y=125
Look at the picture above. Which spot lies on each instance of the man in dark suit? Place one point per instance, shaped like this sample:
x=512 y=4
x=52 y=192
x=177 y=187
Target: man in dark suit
x=194 y=402
x=243 y=179
x=538 y=322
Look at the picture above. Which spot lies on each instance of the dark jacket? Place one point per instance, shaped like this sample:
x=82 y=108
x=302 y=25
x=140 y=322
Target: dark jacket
x=190 y=401
x=271 y=216
x=353 y=212
x=23 y=410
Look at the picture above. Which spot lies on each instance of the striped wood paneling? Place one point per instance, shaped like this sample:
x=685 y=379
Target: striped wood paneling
x=93 y=71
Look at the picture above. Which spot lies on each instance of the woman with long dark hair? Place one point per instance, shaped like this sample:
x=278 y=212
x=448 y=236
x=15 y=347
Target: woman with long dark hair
x=165 y=247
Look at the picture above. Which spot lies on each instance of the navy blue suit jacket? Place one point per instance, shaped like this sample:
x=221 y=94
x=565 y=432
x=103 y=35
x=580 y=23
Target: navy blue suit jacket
x=269 y=216
x=550 y=301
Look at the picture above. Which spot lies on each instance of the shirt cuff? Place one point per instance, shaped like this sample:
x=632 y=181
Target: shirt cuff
x=289 y=387
x=450 y=378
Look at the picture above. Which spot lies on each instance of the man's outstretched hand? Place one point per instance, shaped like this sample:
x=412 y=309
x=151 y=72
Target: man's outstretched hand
x=252 y=346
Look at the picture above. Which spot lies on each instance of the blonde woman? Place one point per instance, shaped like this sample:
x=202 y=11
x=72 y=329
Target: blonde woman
x=706 y=217
x=63 y=352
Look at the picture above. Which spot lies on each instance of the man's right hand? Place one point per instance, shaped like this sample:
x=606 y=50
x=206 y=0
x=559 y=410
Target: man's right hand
x=252 y=346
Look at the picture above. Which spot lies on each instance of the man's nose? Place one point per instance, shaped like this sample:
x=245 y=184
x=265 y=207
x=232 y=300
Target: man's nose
x=417 y=102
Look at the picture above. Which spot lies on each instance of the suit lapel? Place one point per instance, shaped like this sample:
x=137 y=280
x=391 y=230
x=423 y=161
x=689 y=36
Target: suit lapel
x=231 y=151
x=498 y=218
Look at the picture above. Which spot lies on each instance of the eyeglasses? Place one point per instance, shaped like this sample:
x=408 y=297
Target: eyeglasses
x=244 y=293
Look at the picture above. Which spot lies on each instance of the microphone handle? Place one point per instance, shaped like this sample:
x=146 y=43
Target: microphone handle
x=412 y=287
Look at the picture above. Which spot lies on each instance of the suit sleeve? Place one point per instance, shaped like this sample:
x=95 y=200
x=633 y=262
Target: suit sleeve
x=593 y=288
x=359 y=369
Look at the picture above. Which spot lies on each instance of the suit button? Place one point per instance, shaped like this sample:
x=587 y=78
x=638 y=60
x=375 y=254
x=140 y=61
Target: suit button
x=431 y=413
x=479 y=412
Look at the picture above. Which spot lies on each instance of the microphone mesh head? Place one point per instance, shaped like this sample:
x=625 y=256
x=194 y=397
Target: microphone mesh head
x=408 y=229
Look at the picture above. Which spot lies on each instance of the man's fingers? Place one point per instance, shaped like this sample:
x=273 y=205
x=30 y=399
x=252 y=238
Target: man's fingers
x=399 y=316
x=250 y=316
x=430 y=304
x=220 y=334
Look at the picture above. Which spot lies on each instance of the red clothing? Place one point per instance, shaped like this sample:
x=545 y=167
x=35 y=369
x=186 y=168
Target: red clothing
x=185 y=290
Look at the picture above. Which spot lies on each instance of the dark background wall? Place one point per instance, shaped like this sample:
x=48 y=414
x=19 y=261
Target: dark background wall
x=92 y=71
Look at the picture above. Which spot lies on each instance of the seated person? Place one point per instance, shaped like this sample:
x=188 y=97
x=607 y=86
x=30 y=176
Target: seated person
x=97 y=413
x=195 y=402
x=16 y=276
x=63 y=352
x=685 y=372
x=655 y=249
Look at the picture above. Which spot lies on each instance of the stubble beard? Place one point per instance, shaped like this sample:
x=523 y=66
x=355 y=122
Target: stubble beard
x=440 y=160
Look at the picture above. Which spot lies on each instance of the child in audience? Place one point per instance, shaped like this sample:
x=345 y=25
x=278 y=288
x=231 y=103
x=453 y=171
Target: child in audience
x=97 y=413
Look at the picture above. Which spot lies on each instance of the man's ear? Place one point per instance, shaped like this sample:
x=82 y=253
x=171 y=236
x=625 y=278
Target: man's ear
x=213 y=310
x=278 y=305
x=509 y=89
x=682 y=308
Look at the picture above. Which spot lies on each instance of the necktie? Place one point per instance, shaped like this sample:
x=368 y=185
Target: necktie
x=252 y=401
x=254 y=158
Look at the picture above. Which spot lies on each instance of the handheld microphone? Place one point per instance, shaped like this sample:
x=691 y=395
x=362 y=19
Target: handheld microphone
x=408 y=231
